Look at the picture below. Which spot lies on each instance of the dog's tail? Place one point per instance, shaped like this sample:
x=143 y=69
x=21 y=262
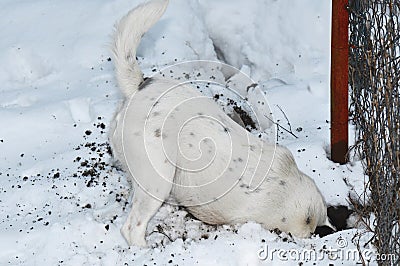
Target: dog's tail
x=128 y=33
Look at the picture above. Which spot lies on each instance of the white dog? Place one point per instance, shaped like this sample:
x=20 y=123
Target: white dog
x=180 y=147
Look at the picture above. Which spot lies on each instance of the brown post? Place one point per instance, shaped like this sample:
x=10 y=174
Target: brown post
x=339 y=81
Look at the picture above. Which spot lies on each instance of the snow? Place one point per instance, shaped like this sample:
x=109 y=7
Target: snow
x=62 y=202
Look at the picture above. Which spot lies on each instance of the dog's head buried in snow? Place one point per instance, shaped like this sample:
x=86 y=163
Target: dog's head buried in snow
x=180 y=147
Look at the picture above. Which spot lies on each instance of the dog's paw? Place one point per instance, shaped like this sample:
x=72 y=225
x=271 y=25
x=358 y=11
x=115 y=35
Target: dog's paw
x=132 y=237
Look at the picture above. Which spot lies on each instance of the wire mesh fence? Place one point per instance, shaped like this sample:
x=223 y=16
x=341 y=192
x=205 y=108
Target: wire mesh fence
x=374 y=77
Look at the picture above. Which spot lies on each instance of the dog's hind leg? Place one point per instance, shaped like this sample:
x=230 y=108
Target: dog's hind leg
x=144 y=206
x=150 y=191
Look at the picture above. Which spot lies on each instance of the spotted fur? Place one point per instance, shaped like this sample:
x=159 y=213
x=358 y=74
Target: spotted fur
x=260 y=182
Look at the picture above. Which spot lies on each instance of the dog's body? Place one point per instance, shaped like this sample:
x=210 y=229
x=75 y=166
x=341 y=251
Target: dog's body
x=216 y=169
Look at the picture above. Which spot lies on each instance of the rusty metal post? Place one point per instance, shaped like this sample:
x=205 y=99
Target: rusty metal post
x=339 y=81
